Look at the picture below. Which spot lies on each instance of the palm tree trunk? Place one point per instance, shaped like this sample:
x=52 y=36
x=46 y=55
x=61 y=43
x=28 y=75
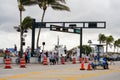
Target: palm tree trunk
x=117 y=49
x=40 y=28
x=114 y=49
x=21 y=34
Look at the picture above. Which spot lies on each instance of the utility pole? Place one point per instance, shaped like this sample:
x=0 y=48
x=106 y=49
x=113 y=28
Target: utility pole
x=80 y=42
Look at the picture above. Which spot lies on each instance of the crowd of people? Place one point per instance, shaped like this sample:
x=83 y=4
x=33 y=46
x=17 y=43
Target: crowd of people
x=53 y=56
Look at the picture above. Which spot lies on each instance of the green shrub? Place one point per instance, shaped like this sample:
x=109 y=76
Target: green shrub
x=1 y=54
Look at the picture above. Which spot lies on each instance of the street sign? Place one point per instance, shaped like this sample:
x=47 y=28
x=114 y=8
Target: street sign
x=77 y=31
x=71 y=30
x=64 y=29
x=40 y=25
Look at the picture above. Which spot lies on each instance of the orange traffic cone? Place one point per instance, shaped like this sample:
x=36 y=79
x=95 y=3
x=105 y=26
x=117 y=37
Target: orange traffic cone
x=82 y=66
x=45 y=62
x=62 y=60
x=81 y=60
x=22 y=63
x=89 y=67
x=74 y=61
x=7 y=63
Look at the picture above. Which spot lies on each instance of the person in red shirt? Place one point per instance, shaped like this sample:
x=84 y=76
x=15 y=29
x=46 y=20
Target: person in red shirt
x=7 y=53
x=25 y=55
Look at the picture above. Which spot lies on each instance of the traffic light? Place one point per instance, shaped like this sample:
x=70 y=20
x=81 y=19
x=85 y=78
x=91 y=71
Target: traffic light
x=43 y=43
x=54 y=28
x=25 y=30
x=23 y=41
x=18 y=29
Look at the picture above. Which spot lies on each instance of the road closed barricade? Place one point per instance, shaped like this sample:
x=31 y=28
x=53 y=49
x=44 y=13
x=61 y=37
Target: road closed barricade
x=22 y=63
x=8 y=63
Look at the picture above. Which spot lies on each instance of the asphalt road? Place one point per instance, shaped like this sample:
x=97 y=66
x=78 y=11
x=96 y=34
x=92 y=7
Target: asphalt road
x=58 y=72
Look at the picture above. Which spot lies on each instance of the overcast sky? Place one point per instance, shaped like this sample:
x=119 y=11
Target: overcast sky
x=81 y=10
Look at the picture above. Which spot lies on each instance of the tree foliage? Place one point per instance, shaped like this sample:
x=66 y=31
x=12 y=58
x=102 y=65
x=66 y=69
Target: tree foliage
x=55 y=5
x=27 y=23
x=86 y=49
x=109 y=41
x=101 y=38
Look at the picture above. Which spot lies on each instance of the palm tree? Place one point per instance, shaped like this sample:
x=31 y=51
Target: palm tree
x=86 y=49
x=21 y=8
x=27 y=23
x=44 y=4
x=109 y=40
x=101 y=38
x=115 y=44
x=118 y=44
x=54 y=4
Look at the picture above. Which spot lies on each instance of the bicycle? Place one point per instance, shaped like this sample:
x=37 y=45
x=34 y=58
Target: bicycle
x=17 y=60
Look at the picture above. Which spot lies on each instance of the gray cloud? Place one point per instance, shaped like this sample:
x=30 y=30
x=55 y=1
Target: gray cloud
x=81 y=10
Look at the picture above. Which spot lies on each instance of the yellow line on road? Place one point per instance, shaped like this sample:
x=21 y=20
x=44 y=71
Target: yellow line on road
x=19 y=76
x=48 y=74
x=70 y=78
x=2 y=79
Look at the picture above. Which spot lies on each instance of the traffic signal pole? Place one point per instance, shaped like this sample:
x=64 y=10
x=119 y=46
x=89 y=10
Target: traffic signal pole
x=66 y=27
x=33 y=38
x=80 y=42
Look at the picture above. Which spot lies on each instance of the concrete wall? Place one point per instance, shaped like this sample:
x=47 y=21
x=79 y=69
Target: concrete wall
x=32 y=60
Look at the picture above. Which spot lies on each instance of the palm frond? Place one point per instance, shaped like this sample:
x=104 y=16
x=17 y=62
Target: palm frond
x=27 y=23
x=21 y=8
x=63 y=1
x=58 y=6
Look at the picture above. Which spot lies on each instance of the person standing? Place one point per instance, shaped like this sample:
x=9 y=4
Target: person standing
x=53 y=58
x=39 y=57
x=7 y=53
x=15 y=49
x=28 y=55
x=38 y=50
x=42 y=56
x=65 y=49
x=25 y=56
x=50 y=58
x=28 y=48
